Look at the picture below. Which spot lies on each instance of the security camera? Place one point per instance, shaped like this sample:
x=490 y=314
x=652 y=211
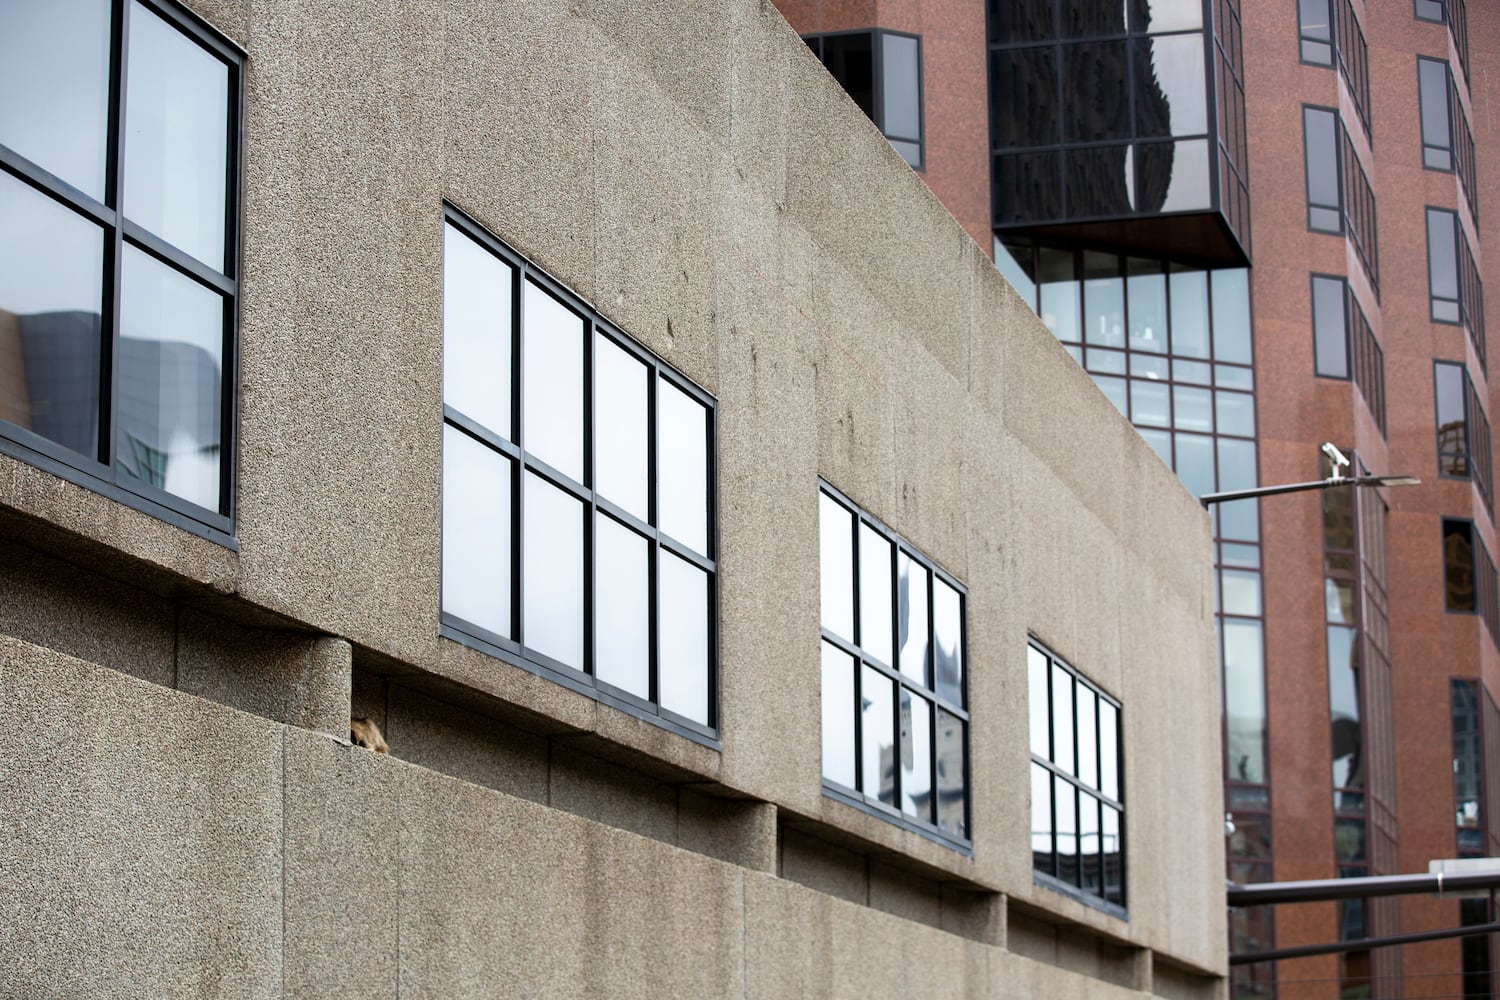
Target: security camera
x=1340 y=462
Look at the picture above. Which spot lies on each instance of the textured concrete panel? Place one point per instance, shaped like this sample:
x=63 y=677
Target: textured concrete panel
x=342 y=869
x=139 y=837
x=466 y=745
x=287 y=676
x=587 y=786
x=55 y=604
x=733 y=830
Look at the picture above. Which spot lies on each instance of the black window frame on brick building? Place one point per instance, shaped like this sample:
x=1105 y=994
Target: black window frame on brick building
x=501 y=439
x=845 y=703
x=833 y=49
x=1058 y=768
x=1463 y=444
x=134 y=372
x=1455 y=13
x=1465 y=555
x=1348 y=349
x=1329 y=34
x=1447 y=140
x=1339 y=197
x=1455 y=290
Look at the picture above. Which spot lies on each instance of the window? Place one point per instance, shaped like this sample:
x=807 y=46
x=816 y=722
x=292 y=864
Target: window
x=882 y=72
x=1315 y=26
x=1453 y=279
x=1456 y=14
x=1468 y=573
x=1327 y=28
x=1339 y=198
x=578 y=496
x=1340 y=330
x=895 y=725
x=1463 y=431
x=1429 y=10
x=1077 y=810
x=1447 y=142
x=118 y=262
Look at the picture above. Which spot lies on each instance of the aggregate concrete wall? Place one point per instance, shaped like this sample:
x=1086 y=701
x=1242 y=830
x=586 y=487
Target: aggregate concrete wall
x=692 y=171
x=158 y=844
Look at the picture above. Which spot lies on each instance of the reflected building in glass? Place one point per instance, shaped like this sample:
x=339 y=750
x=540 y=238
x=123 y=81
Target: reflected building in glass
x=1101 y=151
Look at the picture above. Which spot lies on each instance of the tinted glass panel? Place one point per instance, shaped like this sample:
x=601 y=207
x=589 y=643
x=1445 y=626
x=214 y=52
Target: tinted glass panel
x=1021 y=20
x=849 y=58
x=903 y=109
x=1041 y=820
x=476 y=532
x=1171 y=15
x=836 y=566
x=1442 y=262
x=838 y=716
x=1104 y=300
x=1244 y=696
x=51 y=284
x=948 y=640
x=1192 y=408
x=911 y=603
x=1432 y=77
x=1065 y=806
x=1189 y=290
x=1024 y=93
x=1088 y=749
x=916 y=756
x=1088 y=844
x=54 y=87
x=1189 y=188
x=683 y=634
x=622 y=613
x=620 y=435
x=170 y=375
x=476 y=331
x=878 y=751
x=1059 y=309
x=952 y=793
x=1329 y=337
x=552 y=360
x=1028 y=186
x=1016 y=264
x=1147 y=293
x=176 y=138
x=1231 y=297
x=1173 y=100
x=552 y=588
x=1096 y=107
x=682 y=467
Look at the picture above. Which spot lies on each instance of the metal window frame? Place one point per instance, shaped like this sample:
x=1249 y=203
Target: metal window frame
x=101 y=474
x=513 y=649
x=1338 y=166
x=877 y=83
x=1303 y=39
x=1449 y=99
x=858 y=796
x=1054 y=880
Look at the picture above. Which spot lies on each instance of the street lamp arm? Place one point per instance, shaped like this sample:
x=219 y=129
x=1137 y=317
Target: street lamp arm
x=1209 y=499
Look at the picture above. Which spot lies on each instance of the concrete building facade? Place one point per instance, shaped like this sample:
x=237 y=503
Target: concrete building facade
x=1311 y=177
x=588 y=396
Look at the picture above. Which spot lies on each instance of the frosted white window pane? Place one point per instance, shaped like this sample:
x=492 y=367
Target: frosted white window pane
x=622 y=613
x=176 y=138
x=170 y=376
x=683 y=647
x=620 y=472
x=836 y=566
x=682 y=466
x=948 y=634
x=476 y=332
x=552 y=365
x=54 y=86
x=1038 y=703
x=1109 y=745
x=1062 y=718
x=838 y=716
x=875 y=594
x=476 y=532
x=911 y=607
x=903 y=113
x=1088 y=750
x=552 y=588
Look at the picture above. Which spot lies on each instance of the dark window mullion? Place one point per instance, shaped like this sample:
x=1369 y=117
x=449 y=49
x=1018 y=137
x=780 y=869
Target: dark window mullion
x=589 y=497
x=114 y=186
x=518 y=481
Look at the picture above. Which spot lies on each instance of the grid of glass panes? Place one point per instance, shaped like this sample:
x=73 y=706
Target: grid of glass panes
x=1077 y=797
x=578 y=505
x=1329 y=28
x=1457 y=16
x=1139 y=144
x=895 y=725
x=118 y=260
